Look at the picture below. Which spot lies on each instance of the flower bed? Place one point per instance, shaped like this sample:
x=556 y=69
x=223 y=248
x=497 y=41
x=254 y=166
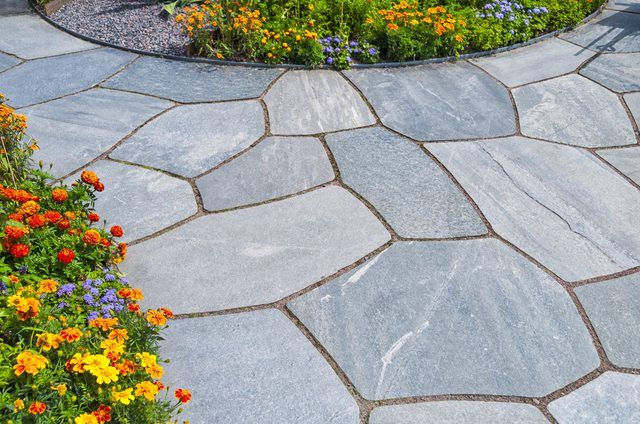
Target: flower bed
x=338 y=33
x=74 y=345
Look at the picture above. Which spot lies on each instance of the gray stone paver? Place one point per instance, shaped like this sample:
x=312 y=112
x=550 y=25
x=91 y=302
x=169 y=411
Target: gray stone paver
x=467 y=317
x=612 y=398
x=625 y=5
x=547 y=59
x=76 y=129
x=253 y=367
x=278 y=166
x=458 y=412
x=192 y=139
x=256 y=255
x=548 y=110
x=614 y=309
x=307 y=102
x=7 y=61
x=438 y=102
x=11 y=7
x=30 y=37
x=612 y=31
x=633 y=101
x=559 y=204
x=49 y=78
x=411 y=192
x=618 y=72
x=140 y=200
x=626 y=160
x=192 y=82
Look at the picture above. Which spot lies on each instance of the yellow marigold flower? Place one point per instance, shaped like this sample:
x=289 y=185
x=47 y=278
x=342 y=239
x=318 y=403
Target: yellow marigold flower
x=48 y=341
x=146 y=389
x=76 y=364
x=156 y=317
x=112 y=346
x=105 y=324
x=47 y=286
x=29 y=208
x=60 y=388
x=85 y=419
x=18 y=405
x=124 y=397
x=31 y=363
x=146 y=359
x=95 y=361
x=155 y=371
x=105 y=374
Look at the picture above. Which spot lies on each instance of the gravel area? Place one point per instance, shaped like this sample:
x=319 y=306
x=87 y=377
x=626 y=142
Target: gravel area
x=134 y=24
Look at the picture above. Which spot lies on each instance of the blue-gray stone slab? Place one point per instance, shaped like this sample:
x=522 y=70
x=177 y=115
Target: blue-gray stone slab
x=408 y=188
x=45 y=79
x=192 y=139
x=255 y=255
x=11 y=7
x=612 y=31
x=30 y=37
x=614 y=310
x=438 y=102
x=132 y=192
x=625 y=5
x=611 y=398
x=548 y=110
x=76 y=129
x=633 y=101
x=189 y=82
x=449 y=317
x=276 y=167
x=626 y=160
x=536 y=62
x=253 y=367
x=458 y=412
x=7 y=61
x=619 y=72
x=559 y=204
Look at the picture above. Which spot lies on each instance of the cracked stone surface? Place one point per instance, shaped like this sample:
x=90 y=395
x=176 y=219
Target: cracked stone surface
x=256 y=255
x=411 y=192
x=257 y=364
x=302 y=102
x=548 y=110
x=610 y=398
x=430 y=318
x=614 y=309
x=7 y=61
x=611 y=32
x=192 y=139
x=9 y=7
x=276 y=167
x=626 y=160
x=458 y=412
x=192 y=82
x=543 y=60
x=559 y=204
x=52 y=77
x=76 y=129
x=619 y=72
x=140 y=200
x=438 y=102
x=633 y=101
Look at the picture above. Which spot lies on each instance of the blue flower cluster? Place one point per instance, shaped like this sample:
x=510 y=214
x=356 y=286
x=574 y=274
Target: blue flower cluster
x=505 y=9
x=336 y=50
x=105 y=301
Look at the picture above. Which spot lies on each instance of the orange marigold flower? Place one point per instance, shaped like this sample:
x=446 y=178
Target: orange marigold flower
x=156 y=317
x=52 y=216
x=36 y=221
x=124 y=293
x=133 y=307
x=94 y=217
x=47 y=286
x=91 y=237
x=146 y=389
x=29 y=208
x=126 y=367
x=13 y=279
x=16 y=217
x=89 y=177
x=48 y=341
x=166 y=312
x=70 y=215
x=159 y=385
x=116 y=231
x=183 y=395
x=122 y=249
x=119 y=334
x=136 y=294
x=59 y=195
x=102 y=414
x=66 y=255
x=19 y=250
x=155 y=371
x=37 y=408
x=31 y=363
x=15 y=233
x=19 y=196
x=105 y=324
x=98 y=186
x=64 y=224
x=70 y=334
x=105 y=242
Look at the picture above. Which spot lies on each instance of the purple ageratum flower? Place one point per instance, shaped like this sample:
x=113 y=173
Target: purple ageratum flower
x=512 y=17
x=124 y=280
x=353 y=44
x=92 y=315
x=3 y=287
x=88 y=299
x=62 y=305
x=348 y=59
x=372 y=51
x=526 y=22
x=23 y=270
x=109 y=277
x=106 y=309
x=94 y=291
x=544 y=10
x=87 y=285
x=118 y=307
x=66 y=289
x=329 y=60
x=337 y=40
x=97 y=282
x=109 y=297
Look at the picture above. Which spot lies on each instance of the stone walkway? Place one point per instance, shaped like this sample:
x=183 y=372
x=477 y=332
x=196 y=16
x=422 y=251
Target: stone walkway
x=450 y=243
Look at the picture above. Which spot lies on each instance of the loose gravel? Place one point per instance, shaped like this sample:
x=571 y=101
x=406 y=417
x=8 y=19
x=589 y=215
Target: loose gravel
x=135 y=24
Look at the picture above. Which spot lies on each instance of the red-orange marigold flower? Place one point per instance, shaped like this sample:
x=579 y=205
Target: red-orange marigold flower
x=66 y=255
x=105 y=242
x=133 y=307
x=89 y=177
x=103 y=414
x=91 y=237
x=64 y=224
x=156 y=317
x=19 y=250
x=36 y=221
x=116 y=231
x=52 y=216
x=183 y=395
x=98 y=186
x=59 y=195
x=16 y=217
x=37 y=408
x=70 y=334
x=15 y=233
x=94 y=217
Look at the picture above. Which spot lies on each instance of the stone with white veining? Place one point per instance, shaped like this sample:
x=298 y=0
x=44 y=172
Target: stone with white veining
x=255 y=255
x=449 y=317
x=444 y=101
x=276 y=167
x=74 y=130
x=611 y=32
x=313 y=102
x=559 y=204
x=192 y=139
x=7 y=61
x=626 y=160
x=406 y=186
x=546 y=59
x=254 y=367
x=611 y=398
x=549 y=109
x=619 y=72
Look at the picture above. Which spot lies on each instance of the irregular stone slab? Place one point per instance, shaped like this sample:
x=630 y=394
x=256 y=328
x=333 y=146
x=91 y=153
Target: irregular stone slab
x=256 y=255
x=549 y=109
x=633 y=101
x=614 y=309
x=536 y=62
x=610 y=32
x=313 y=102
x=619 y=72
x=140 y=200
x=40 y=80
x=410 y=191
x=626 y=160
x=7 y=61
x=30 y=37
x=12 y=7
x=276 y=167
x=76 y=129
x=192 y=139
x=458 y=412
x=190 y=82
x=559 y=204
x=253 y=367
x=611 y=398
x=438 y=102
x=625 y=5
x=448 y=317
